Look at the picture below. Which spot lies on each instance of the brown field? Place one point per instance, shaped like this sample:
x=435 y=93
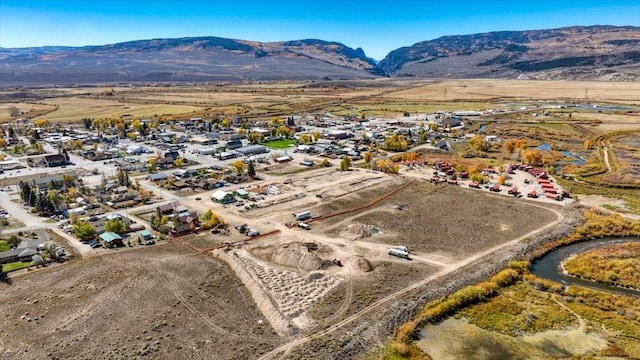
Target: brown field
x=160 y=301
x=74 y=108
x=380 y=97
x=479 y=90
x=610 y=121
x=27 y=109
x=445 y=220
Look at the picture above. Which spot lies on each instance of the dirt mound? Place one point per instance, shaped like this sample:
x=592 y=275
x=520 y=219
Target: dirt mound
x=293 y=254
x=359 y=231
x=364 y=264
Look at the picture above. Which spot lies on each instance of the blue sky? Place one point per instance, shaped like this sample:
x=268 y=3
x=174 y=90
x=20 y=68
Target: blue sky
x=376 y=26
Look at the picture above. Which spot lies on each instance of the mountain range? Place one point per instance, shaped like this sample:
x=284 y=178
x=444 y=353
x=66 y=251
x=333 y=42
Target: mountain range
x=589 y=52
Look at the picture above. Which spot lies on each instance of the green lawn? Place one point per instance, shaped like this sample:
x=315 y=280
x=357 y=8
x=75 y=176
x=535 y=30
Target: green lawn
x=15 y=266
x=4 y=246
x=12 y=151
x=280 y=144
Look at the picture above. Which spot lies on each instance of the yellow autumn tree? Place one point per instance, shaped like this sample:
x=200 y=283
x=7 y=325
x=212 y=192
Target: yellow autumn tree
x=531 y=157
x=41 y=123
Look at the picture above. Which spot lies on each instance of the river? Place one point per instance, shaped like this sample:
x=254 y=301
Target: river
x=548 y=267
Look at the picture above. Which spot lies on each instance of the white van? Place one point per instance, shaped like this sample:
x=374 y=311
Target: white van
x=402 y=248
x=304 y=226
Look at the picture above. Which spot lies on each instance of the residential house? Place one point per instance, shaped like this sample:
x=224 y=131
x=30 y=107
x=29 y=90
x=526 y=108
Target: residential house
x=9 y=256
x=172 y=154
x=180 y=184
x=206 y=184
x=241 y=193
x=110 y=239
x=157 y=177
x=169 y=209
x=165 y=162
x=223 y=197
x=23 y=252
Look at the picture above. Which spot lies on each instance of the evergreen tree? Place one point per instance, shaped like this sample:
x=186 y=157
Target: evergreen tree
x=251 y=169
x=33 y=197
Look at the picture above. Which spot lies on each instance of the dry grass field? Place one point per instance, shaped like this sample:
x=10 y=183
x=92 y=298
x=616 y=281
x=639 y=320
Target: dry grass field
x=380 y=97
x=447 y=221
x=483 y=90
x=74 y=108
x=162 y=302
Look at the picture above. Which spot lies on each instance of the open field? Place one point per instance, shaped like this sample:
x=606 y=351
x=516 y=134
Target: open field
x=26 y=109
x=280 y=144
x=160 y=301
x=609 y=121
x=446 y=221
x=482 y=90
x=380 y=97
x=360 y=241
x=76 y=108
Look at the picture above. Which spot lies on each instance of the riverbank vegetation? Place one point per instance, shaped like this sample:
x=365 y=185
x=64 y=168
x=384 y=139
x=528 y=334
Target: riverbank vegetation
x=597 y=224
x=617 y=265
x=514 y=302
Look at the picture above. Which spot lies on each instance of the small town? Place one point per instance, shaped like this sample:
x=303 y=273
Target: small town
x=296 y=180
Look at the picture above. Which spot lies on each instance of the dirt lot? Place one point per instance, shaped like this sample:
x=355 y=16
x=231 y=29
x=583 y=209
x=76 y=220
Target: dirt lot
x=160 y=302
x=451 y=221
x=293 y=275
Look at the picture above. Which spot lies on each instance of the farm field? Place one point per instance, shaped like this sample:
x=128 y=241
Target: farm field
x=483 y=90
x=74 y=109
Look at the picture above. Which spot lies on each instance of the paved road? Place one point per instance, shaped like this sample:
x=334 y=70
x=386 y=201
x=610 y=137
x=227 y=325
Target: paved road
x=17 y=211
x=36 y=223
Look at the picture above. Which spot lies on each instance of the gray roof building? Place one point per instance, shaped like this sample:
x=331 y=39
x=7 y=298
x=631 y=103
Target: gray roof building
x=252 y=150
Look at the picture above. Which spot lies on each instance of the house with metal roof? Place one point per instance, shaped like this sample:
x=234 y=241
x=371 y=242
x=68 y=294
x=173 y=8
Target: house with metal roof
x=157 y=177
x=223 y=197
x=252 y=150
x=110 y=239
